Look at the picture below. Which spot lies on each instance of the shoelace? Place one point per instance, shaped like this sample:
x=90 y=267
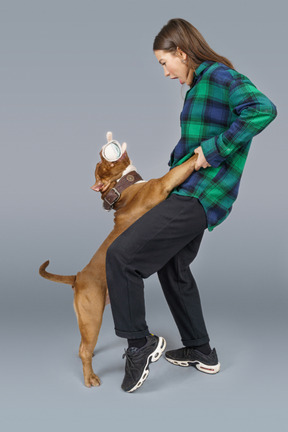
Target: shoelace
x=128 y=354
x=131 y=367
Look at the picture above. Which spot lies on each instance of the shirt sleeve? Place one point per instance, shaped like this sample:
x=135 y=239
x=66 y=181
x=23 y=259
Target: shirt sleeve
x=254 y=112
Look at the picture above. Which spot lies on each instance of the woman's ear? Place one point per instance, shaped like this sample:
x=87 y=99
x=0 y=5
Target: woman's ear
x=181 y=54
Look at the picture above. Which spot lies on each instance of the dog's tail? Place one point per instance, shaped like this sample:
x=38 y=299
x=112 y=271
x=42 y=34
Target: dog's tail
x=55 y=278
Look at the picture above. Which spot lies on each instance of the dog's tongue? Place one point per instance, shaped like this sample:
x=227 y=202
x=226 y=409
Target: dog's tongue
x=97 y=186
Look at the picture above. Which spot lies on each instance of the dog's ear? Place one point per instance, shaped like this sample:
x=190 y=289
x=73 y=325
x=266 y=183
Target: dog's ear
x=124 y=147
x=109 y=136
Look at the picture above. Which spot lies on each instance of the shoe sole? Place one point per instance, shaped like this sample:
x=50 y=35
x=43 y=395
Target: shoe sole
x=200 y=366
x=153 y=357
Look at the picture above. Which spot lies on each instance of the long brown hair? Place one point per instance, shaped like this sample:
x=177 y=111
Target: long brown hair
x=180 y=33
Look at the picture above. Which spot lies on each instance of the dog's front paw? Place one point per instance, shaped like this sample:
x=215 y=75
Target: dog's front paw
x=92 y=380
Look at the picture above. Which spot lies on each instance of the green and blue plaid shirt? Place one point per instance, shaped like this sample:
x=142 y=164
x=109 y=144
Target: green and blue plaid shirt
x=222 y=112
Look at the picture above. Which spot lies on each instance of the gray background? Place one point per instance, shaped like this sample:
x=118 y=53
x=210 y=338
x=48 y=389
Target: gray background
x=70 y=71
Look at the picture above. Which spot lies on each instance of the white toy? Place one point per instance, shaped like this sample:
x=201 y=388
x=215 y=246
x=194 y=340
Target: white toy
x=113 y=151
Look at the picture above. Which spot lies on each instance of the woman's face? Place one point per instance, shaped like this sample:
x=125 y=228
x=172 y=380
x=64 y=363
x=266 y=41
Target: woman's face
x=173 y=65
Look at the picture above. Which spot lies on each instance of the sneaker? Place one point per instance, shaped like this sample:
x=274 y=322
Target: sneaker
x=191 y=357
x=138 y=360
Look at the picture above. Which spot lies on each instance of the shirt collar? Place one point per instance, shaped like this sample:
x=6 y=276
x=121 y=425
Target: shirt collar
x=200 y=70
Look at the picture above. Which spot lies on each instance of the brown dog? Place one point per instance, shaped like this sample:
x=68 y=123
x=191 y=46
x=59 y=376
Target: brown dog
x=89 y=285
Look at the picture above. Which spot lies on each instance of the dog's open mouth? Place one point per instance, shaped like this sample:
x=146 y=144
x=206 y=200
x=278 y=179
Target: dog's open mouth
x=99 y=187
x=105 y=187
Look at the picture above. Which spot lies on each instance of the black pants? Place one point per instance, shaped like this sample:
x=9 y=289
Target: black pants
x=164 y=240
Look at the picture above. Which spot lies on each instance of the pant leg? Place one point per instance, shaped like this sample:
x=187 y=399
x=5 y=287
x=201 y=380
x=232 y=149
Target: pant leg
x=144 y=248
x=182 y=295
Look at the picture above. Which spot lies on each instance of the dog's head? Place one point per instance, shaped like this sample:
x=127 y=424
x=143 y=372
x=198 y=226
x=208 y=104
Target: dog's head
x=114 y=160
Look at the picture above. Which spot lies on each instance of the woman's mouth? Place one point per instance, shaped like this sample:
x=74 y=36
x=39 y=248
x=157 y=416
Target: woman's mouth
x=181 y=82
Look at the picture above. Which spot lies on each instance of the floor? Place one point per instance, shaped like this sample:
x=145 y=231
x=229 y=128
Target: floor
x=42 y=386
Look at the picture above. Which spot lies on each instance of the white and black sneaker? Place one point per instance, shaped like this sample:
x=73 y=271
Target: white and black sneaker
x=188 y=356
x=138 y=360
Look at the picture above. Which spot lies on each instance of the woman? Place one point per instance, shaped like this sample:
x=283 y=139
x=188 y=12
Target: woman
x=222 y=112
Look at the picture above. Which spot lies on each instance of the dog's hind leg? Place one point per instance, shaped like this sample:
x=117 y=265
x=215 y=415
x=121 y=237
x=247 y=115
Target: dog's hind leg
x=89 y=304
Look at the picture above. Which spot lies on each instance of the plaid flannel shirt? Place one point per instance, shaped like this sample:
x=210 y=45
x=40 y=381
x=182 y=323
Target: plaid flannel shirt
x=222 y=112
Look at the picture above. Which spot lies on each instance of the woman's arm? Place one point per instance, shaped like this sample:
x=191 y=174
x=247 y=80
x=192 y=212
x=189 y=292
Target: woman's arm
x=254 y=110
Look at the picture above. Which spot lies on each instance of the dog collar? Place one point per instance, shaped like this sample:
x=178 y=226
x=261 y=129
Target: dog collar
x=115 y=193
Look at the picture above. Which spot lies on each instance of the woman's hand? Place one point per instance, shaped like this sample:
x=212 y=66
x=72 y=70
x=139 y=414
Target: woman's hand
x=201 y=161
